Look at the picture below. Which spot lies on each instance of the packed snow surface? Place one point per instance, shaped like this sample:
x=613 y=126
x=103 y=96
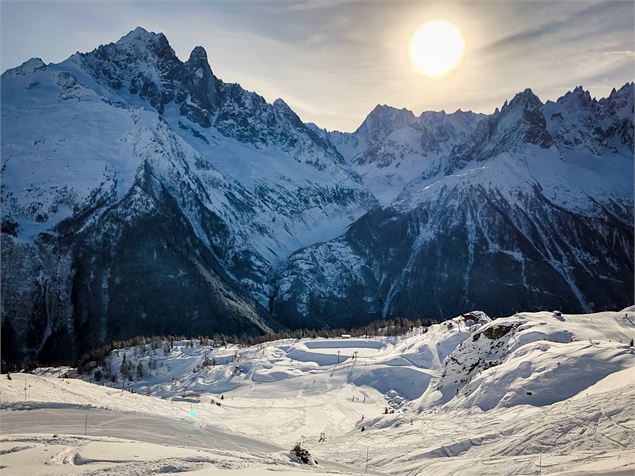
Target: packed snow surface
x=534 y=392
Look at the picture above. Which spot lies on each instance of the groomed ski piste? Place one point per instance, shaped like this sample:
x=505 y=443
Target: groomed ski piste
x=533 y=393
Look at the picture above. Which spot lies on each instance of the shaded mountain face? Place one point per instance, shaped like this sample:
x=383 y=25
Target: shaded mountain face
x=534 y=208
x=142 y=195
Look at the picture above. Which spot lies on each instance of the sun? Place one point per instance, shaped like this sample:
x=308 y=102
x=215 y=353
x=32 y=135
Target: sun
x=436 y=48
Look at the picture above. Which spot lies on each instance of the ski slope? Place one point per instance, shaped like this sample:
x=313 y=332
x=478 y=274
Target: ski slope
x=529 y=393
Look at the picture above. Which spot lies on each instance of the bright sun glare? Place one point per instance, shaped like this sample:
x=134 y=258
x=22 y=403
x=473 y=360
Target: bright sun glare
x=436 y=48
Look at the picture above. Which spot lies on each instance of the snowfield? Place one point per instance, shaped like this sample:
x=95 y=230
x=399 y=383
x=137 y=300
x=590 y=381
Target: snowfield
x=533 y=393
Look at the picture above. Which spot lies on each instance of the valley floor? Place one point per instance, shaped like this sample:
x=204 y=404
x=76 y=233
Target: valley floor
x=550 y=396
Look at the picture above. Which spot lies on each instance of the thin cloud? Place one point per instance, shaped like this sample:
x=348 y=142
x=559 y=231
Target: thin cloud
x=554 y=27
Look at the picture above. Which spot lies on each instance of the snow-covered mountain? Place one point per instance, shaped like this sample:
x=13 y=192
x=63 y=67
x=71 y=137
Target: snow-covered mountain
x=143 y=195
x=392 y=146
x=538 y=199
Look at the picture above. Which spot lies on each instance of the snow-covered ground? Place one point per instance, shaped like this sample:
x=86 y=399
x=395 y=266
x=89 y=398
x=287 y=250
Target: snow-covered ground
x=530 y=393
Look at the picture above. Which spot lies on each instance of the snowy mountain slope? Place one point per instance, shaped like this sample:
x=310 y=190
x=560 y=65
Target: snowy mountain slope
x=544 y=216
x=127 y=153
x=77 y=285
x=533 y=389
x=535 y=359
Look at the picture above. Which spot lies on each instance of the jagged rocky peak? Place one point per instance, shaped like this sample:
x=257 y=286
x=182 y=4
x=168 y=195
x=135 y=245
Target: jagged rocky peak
x=140 y=38
x=382 y=120
x=198 y=61
x=198 y=65
x=582 y=93
x=627 y=89
x=148 y=44
x=28 y=67
x=522 y=101
x=198 y=54
x=616 y=117
x=283 y=108
x=524 y=115
x=141 y=62
x=445 y=123
x=574 y=100
x=578 y=120
x=571 y=119
x=138 y=34
x=202 y=87
x=281 y=105
x=518 y=122
x=620 y=102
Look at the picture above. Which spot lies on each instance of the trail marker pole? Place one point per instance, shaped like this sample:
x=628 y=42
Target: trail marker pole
x=85 y=423
x=24 y=390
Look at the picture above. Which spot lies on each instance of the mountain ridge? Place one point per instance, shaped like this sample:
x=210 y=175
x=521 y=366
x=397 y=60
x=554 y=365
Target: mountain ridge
x=176 y=203
x=517 y=171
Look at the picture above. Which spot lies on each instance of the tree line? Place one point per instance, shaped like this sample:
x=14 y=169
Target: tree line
x=97 y=356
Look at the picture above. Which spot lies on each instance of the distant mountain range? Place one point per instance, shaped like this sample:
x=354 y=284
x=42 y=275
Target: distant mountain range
x=143 y=195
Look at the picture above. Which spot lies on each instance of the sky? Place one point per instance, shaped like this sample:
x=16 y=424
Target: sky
x=332 y=61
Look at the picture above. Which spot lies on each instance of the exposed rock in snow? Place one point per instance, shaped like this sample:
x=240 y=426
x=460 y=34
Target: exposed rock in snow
x=28 y=67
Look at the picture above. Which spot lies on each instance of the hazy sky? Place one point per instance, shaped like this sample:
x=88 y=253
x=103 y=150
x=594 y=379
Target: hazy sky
x=333 y=61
